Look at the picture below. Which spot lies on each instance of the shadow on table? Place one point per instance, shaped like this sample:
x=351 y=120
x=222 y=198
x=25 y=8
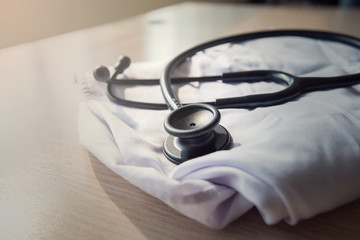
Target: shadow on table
x=157 y=221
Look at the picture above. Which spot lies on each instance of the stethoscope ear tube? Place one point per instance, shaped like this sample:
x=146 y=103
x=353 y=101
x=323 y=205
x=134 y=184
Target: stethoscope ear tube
x=165 y=80
x=183 y=143
x=194 y=128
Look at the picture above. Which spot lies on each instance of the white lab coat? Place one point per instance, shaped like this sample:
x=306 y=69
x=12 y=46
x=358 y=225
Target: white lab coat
x=290 y=161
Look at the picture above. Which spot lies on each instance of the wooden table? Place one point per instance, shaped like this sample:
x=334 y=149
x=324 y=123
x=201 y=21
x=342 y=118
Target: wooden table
x=52 y=188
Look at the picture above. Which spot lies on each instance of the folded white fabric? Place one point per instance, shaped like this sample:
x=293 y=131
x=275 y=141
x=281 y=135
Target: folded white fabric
x=290 y=161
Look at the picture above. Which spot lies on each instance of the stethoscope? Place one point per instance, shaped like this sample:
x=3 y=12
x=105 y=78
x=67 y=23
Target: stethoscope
x=194 y=128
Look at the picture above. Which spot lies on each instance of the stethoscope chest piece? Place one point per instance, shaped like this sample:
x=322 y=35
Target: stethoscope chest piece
x=194 y=131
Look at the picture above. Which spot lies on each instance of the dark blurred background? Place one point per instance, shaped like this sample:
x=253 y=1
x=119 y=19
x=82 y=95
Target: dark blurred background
x=337 y=3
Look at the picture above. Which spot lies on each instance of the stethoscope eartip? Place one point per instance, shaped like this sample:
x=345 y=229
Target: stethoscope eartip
x=194 y=131
x=101 y=74
x=122 y=63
